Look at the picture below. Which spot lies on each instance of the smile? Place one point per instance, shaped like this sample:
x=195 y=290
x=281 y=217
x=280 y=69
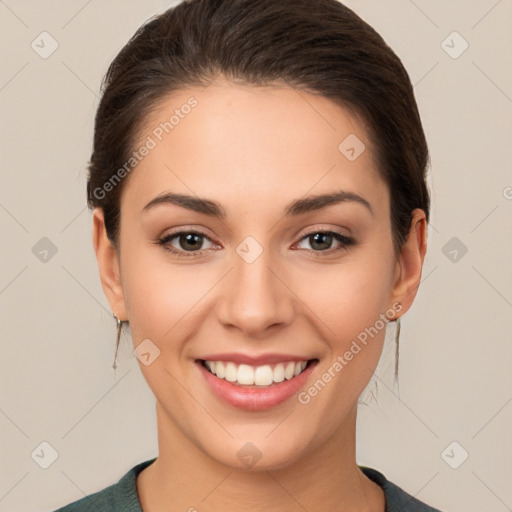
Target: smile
x=261 y=376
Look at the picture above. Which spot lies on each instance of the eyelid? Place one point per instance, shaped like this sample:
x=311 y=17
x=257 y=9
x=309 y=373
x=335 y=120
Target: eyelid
x=322 y=228
x=185 y=231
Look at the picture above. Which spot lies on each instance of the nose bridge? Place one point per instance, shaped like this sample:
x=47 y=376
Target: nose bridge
x=254 y=297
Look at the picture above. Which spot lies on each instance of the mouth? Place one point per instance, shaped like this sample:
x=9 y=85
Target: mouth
x=262 y=376
x=252 y=387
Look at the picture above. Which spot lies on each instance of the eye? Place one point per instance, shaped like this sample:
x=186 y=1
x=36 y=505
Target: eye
x=187 y=242
x=321 y=241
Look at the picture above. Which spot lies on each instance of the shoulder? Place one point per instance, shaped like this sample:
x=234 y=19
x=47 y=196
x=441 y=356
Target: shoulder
x=121 y=496
x=397 y=500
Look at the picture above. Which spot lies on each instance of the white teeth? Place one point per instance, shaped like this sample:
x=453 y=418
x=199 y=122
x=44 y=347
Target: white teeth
x=231 y=373
x=220 y=369
x=263 y=376
x=279 y=373
x=247 y=375
x=289 y=370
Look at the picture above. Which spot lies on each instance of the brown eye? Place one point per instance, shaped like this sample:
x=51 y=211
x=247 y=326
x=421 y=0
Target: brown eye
x=191 y=242
x=321 y=241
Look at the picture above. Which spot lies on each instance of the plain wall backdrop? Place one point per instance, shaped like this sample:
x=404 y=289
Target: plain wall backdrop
x=57 y=333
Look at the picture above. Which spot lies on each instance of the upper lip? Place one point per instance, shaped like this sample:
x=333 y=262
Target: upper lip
x=259 y=360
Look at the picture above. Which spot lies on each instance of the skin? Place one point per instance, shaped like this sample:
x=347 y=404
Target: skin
x=254 y=150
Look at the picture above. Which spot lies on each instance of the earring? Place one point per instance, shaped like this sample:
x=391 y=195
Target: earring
x=397 y=340
x=118 y=337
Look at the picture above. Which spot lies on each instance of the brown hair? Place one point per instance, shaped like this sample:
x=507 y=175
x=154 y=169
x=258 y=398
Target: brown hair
x=321 y=47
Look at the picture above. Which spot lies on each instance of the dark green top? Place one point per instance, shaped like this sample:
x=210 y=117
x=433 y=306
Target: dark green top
x=122 y=496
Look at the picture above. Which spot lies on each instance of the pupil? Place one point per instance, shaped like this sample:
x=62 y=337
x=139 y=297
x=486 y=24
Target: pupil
x=318 y=237
x=189 y=239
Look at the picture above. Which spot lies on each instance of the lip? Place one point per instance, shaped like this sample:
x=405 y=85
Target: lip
x=259 y=360
x=252 y=398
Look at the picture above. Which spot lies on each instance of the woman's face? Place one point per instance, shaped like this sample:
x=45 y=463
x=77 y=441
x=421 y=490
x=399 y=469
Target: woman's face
x=260 y=280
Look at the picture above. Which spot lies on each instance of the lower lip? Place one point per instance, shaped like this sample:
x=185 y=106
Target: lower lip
x=253 y=398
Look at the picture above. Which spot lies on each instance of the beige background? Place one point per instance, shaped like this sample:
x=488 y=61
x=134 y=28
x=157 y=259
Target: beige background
x=57 y=333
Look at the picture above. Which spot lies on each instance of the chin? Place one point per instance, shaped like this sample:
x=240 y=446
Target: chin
x=260 y=451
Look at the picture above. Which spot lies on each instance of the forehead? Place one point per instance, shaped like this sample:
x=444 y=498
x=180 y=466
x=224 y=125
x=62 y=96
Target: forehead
x=243 y=143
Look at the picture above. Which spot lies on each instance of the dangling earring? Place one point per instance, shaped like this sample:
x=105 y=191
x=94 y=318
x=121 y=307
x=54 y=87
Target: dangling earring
x=118 y=336
x=397 y=340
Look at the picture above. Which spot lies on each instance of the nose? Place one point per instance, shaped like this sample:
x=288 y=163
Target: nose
x=255 y=297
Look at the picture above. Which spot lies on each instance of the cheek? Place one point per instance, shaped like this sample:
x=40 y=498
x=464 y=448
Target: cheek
x=162 y=298
x=354 y=310
x=350 y=297
x=150 y=292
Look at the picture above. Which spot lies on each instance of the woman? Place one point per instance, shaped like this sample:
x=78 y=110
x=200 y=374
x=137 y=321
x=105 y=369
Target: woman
x=260 y=215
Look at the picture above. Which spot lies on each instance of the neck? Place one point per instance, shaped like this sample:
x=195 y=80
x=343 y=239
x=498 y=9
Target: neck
x=184 y=478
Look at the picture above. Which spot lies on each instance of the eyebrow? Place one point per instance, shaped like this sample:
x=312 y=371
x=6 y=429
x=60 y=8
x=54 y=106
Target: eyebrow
x=296 y=207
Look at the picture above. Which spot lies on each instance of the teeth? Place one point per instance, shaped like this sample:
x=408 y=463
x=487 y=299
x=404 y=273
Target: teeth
x=220 y=370
x=289 y=371
x=247 y=375
x=231 y=373
x=279 y=373
x=264 y=375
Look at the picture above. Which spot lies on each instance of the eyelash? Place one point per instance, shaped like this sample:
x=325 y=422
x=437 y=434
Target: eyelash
x=344 y=240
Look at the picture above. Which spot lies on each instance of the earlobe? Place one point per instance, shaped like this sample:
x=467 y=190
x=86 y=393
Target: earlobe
x=410 y=261
x=108 y=266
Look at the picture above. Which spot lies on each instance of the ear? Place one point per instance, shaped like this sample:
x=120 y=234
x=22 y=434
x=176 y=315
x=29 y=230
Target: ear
x=108 y=265
x=410 y=262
